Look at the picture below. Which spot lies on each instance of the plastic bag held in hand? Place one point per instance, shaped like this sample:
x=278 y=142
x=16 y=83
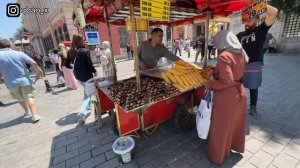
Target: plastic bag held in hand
x=204 y=115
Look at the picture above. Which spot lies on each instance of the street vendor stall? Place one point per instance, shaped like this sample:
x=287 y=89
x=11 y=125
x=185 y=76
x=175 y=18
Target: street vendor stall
x=156 y=95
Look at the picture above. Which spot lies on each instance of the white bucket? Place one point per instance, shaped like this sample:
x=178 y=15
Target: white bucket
x=123 y=147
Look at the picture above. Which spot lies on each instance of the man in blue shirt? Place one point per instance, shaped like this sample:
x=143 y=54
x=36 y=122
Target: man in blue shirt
x=13 y=73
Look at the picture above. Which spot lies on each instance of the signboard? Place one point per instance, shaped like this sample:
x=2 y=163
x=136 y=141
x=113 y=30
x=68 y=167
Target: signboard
x=92 y=38
x=155 y=9
x=255 y=8
x=141 y=24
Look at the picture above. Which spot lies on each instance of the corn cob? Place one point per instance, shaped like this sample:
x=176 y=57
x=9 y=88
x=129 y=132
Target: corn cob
x=174 y=72
x=171 y=77
x=165 y=77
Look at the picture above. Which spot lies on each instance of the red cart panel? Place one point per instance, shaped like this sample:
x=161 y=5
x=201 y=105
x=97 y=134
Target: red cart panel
x=105 y=102
x=127 y=122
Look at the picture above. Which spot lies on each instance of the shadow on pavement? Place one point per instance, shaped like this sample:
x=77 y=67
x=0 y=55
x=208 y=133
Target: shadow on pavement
x=9 y=104
x=67 y=120
x=14 y=122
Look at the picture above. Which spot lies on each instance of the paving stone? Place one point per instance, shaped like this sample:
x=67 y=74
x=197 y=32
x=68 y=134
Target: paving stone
x=111 y=163
x=58 y=152
x=167 y=146
x=77 y=145
x=65 y=143
x=263 y=135
x=149 y=165
x=77 y=166
x=183 y=148
x=59 y=139
x=282 y=138
x=78 y=159
x=199 y=152
x=93 y=161
x=109 y=139
x=163 y=160
x=61 y=165
x=246 y=165
x=273 y=148
x=146 y=157
x=89 y=147
x=241 y=158
x=261 y=159
x=184 y=161
x=253 y=145
x=203 y=162
x=284 y=161
x=131 y=164
x=296 y=140
x=293 y=149
x=110 y=154
x=65 y=157
x=101 y=149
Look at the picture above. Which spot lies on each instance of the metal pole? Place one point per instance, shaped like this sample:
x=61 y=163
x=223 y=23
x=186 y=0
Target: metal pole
x=136 y=59
x=206 y=38
x=112 y=59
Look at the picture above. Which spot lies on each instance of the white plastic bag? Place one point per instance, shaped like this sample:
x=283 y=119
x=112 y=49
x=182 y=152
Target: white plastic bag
x=90 y=87
x=203 y=117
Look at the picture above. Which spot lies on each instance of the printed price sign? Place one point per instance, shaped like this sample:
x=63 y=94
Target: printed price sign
x=155 y=9
x=255 y=8
x=141 y=24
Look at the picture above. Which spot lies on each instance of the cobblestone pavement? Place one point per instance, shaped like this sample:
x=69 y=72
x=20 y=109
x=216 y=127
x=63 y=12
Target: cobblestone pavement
x=273 y=135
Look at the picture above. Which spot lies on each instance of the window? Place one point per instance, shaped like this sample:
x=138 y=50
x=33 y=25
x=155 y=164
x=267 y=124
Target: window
x=291 y=26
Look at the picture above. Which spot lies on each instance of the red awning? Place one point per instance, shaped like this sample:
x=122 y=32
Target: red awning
x=221 y=7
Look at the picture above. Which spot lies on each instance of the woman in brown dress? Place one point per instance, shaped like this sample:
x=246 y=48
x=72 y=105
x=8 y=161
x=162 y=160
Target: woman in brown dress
x=228 y=122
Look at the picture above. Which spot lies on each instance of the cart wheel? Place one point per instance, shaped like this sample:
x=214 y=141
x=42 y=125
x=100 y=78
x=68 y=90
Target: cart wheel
x=183 y=117
x=114 y=124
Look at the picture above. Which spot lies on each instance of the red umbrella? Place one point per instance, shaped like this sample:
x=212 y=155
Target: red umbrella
x=221 y=7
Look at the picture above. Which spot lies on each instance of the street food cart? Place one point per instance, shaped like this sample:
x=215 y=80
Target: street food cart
x=145 y=113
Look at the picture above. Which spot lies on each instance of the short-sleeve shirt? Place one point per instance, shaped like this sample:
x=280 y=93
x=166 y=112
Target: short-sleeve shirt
x=253 y=41
x=13 y=68
x=150 y=55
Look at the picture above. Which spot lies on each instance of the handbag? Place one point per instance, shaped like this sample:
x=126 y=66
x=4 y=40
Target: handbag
x=90 y=87
x=203 y=115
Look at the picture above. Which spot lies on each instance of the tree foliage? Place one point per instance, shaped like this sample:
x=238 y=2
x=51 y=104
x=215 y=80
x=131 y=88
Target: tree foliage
x=18 y=33
x=287 y=6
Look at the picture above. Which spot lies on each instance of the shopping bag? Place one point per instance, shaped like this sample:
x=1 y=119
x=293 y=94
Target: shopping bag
x=90 y=87
x=204 y=115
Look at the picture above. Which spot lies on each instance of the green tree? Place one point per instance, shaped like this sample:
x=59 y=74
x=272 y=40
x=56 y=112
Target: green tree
x=287 y=6
x=18 y=33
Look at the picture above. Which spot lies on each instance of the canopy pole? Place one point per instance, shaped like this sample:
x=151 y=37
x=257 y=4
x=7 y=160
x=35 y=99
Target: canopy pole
x=136 y=59
x=206 y=38
x=112 y=58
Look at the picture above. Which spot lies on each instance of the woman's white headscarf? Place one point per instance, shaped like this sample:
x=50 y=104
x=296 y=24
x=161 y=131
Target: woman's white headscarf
x=226 y=40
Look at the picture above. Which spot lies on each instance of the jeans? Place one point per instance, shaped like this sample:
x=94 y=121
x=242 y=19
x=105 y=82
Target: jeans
x=98 y=59
x=253 y=97
x=86 y=102
x=176 y=51
x=129 y=55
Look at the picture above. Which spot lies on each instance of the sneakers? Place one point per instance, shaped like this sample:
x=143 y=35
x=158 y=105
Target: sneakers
x=252 y=110
x=27 y=114
x=36 y=118
x=81 y=118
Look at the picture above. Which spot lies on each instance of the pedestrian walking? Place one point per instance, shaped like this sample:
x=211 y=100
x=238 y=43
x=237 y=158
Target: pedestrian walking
x=98 y=54
x=200 y=48
x=106 y=60
x=228 y=121
x=252 y=40
x=13 y=73
x=128 y=51
x=69 y=77
x=83 y=71
x=56 y=60
x=210 y=46
x=187 y=47
x=177 y=47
